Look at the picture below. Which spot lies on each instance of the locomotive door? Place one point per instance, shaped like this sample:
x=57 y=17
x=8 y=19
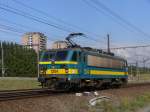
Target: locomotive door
x=83 y=63
x=77 y=56
x=80 y=62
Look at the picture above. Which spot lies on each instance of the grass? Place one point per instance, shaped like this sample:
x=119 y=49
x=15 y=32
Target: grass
x=140 y=78
x=126 y=104
x=18 y=83
x=137 y=103
x=145 y=76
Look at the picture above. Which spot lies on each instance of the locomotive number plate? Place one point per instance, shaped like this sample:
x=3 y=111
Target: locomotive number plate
x=54 y=71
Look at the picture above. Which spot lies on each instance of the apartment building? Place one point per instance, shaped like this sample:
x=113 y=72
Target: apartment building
x=35 y=40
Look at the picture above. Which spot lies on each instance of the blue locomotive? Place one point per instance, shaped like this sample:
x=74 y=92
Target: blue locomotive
x=77 y=66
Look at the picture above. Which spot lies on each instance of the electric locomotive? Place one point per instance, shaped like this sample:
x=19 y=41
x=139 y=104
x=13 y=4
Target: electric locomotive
x=77 y=66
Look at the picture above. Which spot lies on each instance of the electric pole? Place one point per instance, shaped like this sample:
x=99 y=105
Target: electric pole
x=108 y=44
x=137 y=70
x=144 y=61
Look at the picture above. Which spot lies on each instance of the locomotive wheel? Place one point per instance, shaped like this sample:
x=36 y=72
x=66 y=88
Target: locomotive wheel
x=64 y=86
x=98 y=84
x=51 y=84
x=124 y=82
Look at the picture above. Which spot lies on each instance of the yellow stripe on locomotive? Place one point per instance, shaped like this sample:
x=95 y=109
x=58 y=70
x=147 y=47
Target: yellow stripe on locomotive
x=61 y=71
x=99 y=72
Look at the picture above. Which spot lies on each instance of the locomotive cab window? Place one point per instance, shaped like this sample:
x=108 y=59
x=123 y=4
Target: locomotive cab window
x=61 y=55
x=47 y=56
x=57 y=56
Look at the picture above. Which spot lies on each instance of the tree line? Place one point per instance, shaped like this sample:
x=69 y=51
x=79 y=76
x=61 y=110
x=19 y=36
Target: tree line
x=19 y=60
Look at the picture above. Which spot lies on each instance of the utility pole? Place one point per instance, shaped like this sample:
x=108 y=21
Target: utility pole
x=108 y=44
x=131 y=72
x=2 y=53
x=144 y=61
x=137 y=70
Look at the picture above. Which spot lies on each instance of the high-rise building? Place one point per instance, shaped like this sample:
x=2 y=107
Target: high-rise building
x=35 y=40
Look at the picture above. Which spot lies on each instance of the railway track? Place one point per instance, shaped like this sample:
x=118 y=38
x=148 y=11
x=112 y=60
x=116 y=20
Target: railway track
x=26 y=93
x=130 y=85
x=30 y=93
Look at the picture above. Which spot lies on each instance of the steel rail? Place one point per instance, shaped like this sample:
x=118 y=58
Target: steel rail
x=27 y=93
x=31 y=93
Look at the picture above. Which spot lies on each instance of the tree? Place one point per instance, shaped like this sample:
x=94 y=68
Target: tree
x=19 y=60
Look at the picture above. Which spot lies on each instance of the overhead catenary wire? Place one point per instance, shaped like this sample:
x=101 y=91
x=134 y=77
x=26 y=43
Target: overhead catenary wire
x=17 y=24
x=11 y=28
x=130 y=47
x=94 y=6
x=90 y=34
x=31 y=17
x=10 y=32
x=41 y=12
x=114 y=14
x=27 y=28
x=101 y=11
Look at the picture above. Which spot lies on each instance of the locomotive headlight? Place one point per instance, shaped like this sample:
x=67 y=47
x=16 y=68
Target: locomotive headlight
x=73 y=71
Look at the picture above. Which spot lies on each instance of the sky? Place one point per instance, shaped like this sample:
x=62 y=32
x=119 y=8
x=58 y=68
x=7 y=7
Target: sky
x=127 y=21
